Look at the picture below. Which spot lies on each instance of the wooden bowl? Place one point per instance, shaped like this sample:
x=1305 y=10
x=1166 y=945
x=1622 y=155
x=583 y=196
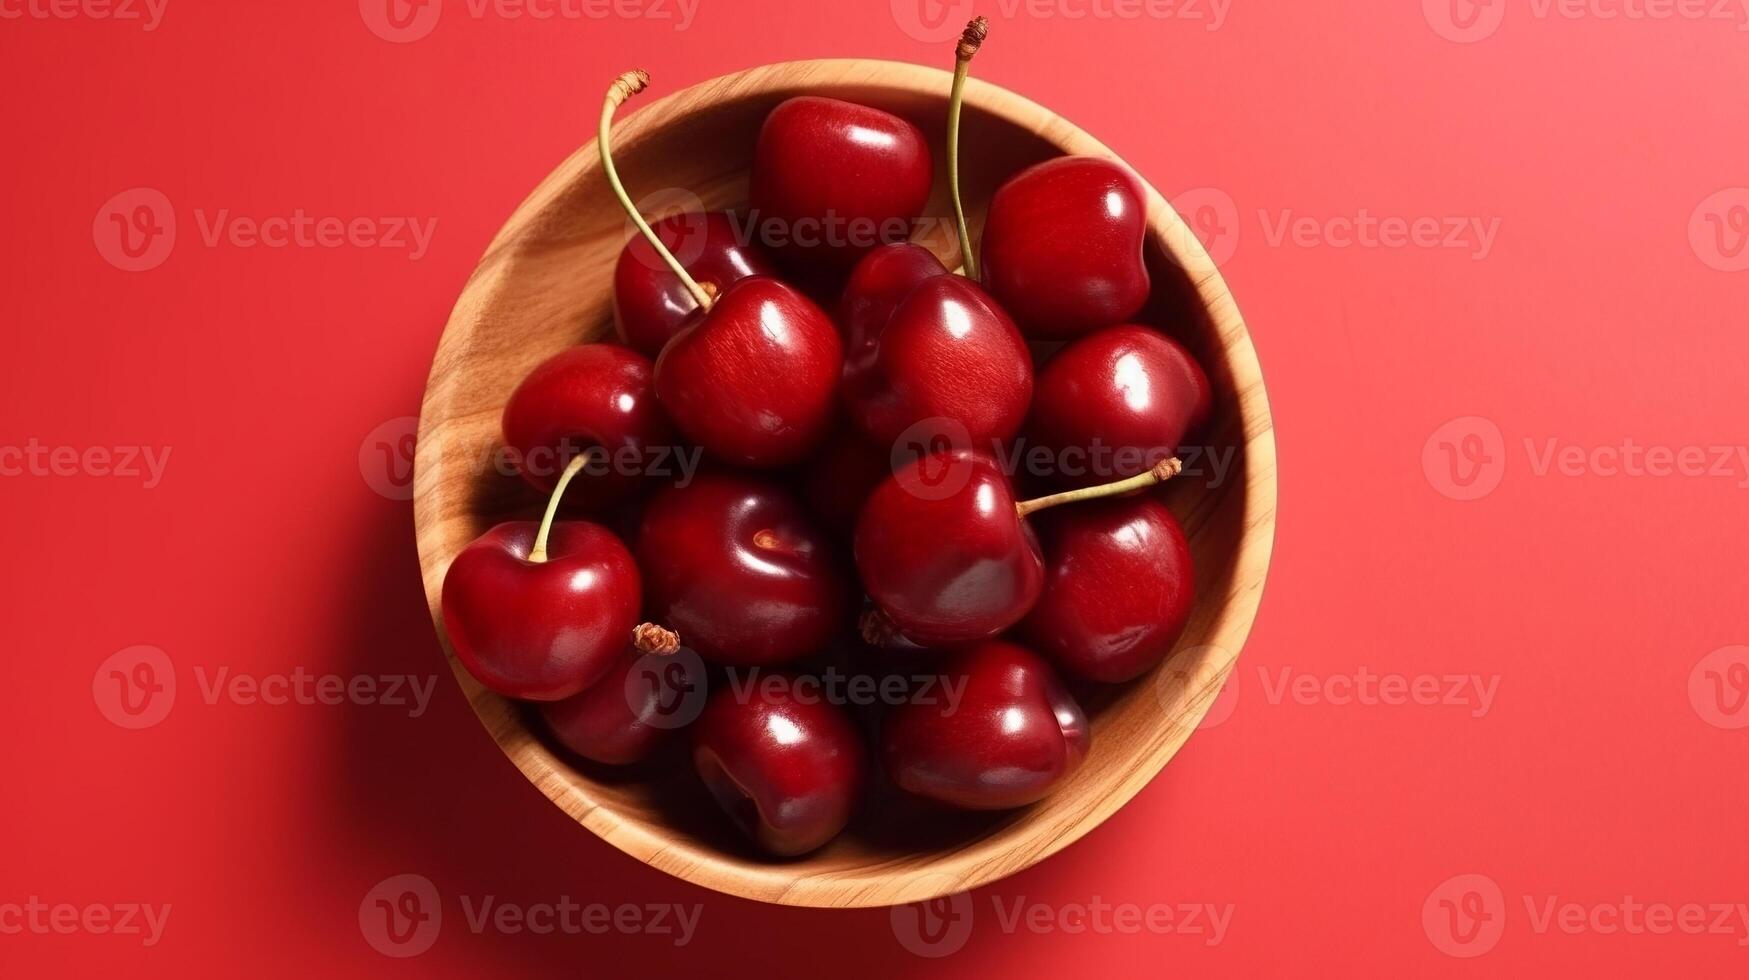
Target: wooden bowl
x=544 y=284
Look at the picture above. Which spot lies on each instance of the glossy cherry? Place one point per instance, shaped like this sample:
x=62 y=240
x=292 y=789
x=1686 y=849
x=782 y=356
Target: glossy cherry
x=924 y=345
x=627 y=714
x=1124 y=398
x=1118 y=588
x=650 y=302
x=942 y=552
x=788 y=771
x=1062 y=247
x=540 y=612
x=1013 y=736
x=737 y=567
x=945 y=551
x=597 y=399
x=753 y=380
x=752 y=374
x=832 y=179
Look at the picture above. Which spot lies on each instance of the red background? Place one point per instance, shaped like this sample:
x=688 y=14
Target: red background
x=1588 y=596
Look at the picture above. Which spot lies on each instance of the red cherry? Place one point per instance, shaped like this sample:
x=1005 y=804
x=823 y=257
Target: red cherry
x=1118 y=588
x=787 y=771
x=627 y=714
x=595 y=399
x=752 y=374
x=832 y=179
x=926 y=345
x=650 y=302
x=945 y=551
x=1125 y=396
x=1013 y=736
x=753 y=379
x=737 y=567
x=942 y=551
x=541 y=623
x=1062 y=247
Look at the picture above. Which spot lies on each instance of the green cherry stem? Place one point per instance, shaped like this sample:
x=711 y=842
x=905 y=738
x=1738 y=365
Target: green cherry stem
x=538 y=553
x=970 y=41
x=1165 y=470
x=623 y=88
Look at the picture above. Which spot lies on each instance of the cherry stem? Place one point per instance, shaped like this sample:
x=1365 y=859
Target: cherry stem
x=659 y=640
x=538 y=553
x=1165 y=470
x=623 y=88
x=973 y=37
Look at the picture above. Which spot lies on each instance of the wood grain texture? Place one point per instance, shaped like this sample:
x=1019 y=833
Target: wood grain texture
x=544 y=284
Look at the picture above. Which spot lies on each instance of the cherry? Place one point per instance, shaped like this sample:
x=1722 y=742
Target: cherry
x=596 y=399
x=650 y=302
x=945 y=352
x=1014 y=734
x=540 y=612
x=786 y=770
x=1125 y=396
x=832 y=179
x=1062 y=247
x=946 y=552
x=924 y=345
x=735 y=565
x=1118 y=588
x=625 y=716
x=751 y=375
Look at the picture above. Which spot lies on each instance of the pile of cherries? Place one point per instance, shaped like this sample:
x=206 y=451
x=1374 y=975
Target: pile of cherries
x=804 y=539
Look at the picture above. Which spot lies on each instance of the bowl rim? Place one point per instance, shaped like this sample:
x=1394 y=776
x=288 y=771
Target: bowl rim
x=983 y=861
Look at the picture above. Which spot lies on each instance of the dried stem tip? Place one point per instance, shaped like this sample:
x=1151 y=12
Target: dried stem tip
x=877 y=629
x=628 y=85
x=650 y=638
x=973 y=38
